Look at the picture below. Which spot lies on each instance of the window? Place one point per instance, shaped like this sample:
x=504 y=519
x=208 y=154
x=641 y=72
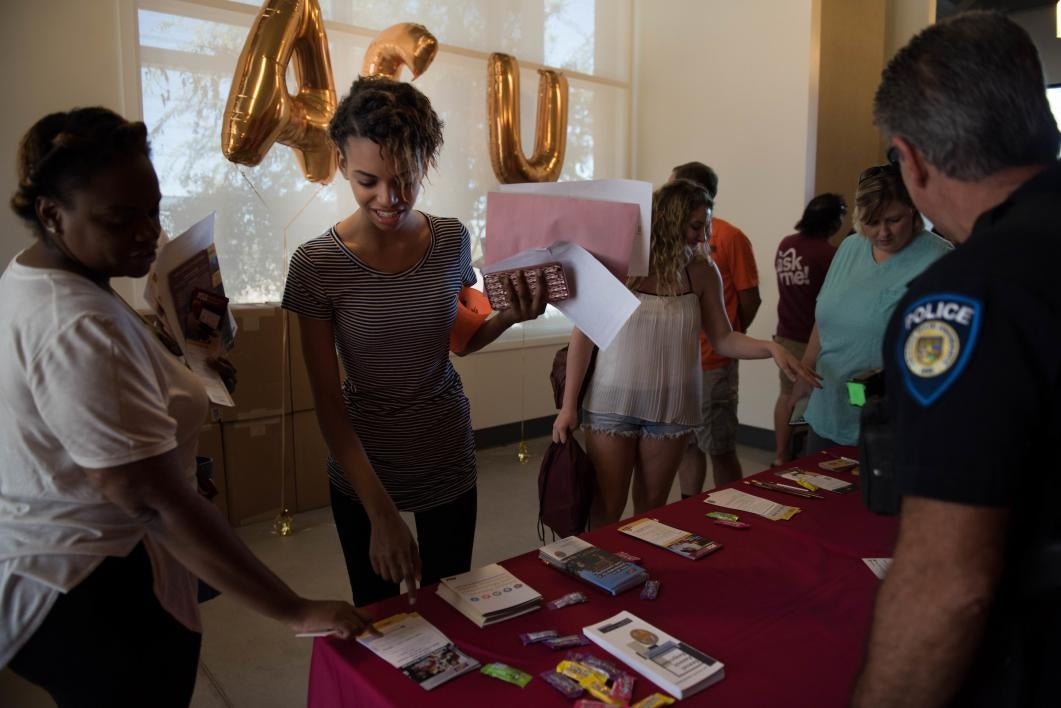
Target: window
x=188 y=52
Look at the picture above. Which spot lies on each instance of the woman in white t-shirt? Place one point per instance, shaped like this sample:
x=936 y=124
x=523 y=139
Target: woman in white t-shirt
x=643 y=397
x=102 y=532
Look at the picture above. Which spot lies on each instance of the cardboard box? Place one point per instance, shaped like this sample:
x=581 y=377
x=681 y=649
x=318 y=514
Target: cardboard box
x=311 y=462
x=261 y=361
x=258 y=455
x=210 y=445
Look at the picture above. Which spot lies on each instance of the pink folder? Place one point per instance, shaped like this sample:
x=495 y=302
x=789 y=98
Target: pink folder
x=519 y=222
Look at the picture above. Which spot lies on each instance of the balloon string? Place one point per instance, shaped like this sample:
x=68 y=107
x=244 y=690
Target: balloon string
x=285 y=384
x=254 y=189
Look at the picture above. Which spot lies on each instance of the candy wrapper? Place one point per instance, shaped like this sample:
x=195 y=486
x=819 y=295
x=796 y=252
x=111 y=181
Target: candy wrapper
x=572 y=598
x=583 y=703
x=507 y=673
x=622 y=689
x=722 y=515
x=571 y=640
x=535 y=637
x=628 y=556
x=600 y=691
x=580 y=673
x=650 y=590
x=656 y=700
x=607 y=667
x=563 y=684
x=732 y=524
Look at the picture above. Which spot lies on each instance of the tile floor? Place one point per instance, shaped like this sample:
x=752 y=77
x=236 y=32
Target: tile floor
x=251 y=662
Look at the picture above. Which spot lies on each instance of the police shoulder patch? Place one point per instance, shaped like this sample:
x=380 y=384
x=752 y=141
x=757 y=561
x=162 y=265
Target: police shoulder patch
x=939 y=333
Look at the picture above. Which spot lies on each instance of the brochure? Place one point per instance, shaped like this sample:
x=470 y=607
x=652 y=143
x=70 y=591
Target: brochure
x=685 y=544
x=742 y=501
x=596 y=566
x=186 y=294
x=674 y=666
x=821 y=481
x=489 y=595
x=412 y=645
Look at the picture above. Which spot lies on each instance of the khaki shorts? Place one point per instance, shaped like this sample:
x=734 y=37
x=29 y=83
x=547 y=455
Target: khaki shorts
x=796 y=349
x=719 y=411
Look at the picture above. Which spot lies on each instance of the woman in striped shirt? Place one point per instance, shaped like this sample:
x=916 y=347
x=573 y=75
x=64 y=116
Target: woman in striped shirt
x=380 y=287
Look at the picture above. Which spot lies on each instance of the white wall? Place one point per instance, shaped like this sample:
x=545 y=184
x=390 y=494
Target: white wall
x=59 y=54
x=730 y=84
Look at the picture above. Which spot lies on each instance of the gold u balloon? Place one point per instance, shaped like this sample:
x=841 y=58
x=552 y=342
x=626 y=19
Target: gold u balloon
x=260 y=111
x=502 y=111
x=404 y=44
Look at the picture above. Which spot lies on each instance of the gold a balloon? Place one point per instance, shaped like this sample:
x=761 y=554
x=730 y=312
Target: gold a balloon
x=260 y=111
x=502 y=111
x=404 y=44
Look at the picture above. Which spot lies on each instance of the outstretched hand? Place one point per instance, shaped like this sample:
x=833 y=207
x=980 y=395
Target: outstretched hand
x=338 y=618
x=793 y=368
x=393 y=553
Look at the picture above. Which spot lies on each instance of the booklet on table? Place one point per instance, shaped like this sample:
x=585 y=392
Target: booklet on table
x=411 y=644
x=596 y=566
x=674 y=666
x=489 y=595
x=685 y=544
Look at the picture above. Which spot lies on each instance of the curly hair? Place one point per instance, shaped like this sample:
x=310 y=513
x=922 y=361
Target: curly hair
x=395 y=116
x=672 y=207
x=63 y=151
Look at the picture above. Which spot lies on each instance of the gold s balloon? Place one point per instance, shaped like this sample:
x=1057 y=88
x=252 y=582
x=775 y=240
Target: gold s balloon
x=404 y=44
x=261 y=112
x=502 y=112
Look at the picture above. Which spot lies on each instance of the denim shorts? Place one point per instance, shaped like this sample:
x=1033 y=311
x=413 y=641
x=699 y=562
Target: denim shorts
x=629 y=427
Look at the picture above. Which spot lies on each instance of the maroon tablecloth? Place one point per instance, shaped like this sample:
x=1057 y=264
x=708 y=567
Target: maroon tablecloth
x=785 y=605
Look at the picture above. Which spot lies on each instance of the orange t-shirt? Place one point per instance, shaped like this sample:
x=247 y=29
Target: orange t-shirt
x=732 y=252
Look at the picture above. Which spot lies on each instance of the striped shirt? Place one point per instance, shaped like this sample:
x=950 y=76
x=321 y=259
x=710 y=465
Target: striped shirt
x=403 y=397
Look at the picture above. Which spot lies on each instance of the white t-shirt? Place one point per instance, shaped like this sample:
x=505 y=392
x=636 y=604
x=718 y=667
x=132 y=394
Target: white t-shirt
x=83 y=384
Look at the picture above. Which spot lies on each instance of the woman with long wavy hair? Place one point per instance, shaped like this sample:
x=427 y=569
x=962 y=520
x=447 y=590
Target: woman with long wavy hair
x=643 y=398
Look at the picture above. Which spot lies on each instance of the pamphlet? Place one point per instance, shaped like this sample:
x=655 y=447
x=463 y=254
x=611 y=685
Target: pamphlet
x=879 y=566
x=688 y=545
x=596 y=566
x=186 y=293
x=412 y=645
x=742 y=501
x=821 y=481
x=674 y=666
x=489 y=594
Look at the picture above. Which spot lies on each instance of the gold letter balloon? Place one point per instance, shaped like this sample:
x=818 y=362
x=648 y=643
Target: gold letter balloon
x=502 y=111
x=404 y=44
x=261 y=112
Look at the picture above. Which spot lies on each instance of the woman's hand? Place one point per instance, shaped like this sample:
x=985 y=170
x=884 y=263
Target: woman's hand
x=525 y=305
x=793 y=368
x=393 y=553
x=339 y=618
x=566 y=422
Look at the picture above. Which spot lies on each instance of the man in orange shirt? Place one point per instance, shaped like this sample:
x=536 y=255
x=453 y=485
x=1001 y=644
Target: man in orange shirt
x=732 y=253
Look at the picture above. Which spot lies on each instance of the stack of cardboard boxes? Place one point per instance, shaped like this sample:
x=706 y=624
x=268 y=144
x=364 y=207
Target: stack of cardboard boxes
x=270 y=440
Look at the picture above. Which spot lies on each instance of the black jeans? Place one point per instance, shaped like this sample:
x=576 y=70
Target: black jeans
x=445 y=535
x=109 y=643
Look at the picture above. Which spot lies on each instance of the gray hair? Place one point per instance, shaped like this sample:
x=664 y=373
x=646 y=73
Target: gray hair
x=969 y=94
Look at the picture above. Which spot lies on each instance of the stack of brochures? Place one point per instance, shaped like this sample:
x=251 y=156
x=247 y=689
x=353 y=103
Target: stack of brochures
x=595 y=566
x=489 y=595
x=688 y=545
x=412 y=645
x=674 y=666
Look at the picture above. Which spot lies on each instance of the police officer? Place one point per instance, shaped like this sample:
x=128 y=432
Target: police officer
x=970 y=611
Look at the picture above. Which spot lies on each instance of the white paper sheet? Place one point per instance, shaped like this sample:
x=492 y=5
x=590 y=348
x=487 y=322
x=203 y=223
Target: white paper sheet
x=172 y=254
x=611 y=190
x=742 y=501
x=879 y=566
x=600 y=304
x=403 y=639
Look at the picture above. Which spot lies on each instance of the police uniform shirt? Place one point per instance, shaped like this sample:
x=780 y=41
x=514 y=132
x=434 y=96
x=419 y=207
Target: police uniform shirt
x=973 y=360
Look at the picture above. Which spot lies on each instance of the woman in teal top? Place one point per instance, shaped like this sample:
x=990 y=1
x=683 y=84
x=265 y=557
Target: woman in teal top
x=866 y=279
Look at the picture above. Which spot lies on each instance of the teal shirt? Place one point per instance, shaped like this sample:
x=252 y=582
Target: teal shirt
x=854 y=306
